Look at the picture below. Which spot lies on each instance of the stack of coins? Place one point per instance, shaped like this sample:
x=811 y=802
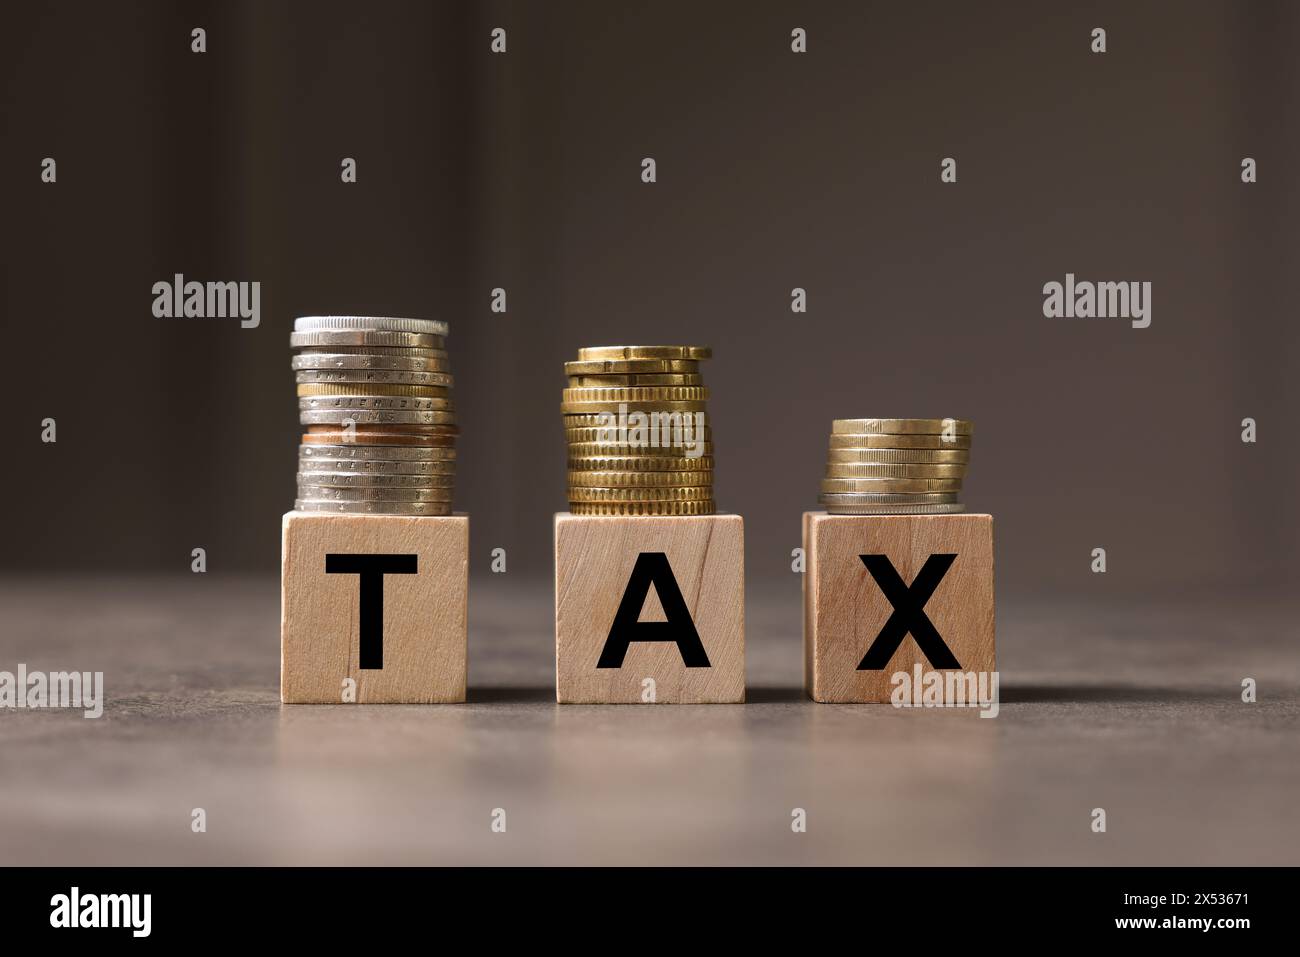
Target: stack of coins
x=374 y=394
x=634 y=420
x=896 y=466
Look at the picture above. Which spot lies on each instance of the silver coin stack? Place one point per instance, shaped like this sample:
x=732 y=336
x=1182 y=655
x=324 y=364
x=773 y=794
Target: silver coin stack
x=375 y=396
x=896 y=466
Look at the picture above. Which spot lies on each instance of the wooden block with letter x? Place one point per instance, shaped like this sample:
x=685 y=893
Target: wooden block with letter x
x=649 y=609
x=373 y=608
x=891 y=594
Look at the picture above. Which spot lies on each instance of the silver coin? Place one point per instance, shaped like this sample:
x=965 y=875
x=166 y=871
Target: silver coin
x=373 y=467
x=887 y=498
x=374 y=508
x=334 y=463
x=363 y=361
x=376 y=480
x=950 y=508
x=434 y=327
x=378 y=417
x=331 y=493
x=391 y=454
x=399 y=351
x=357 y=337
x=328 y=463
x=371 y=376
x=369 y=403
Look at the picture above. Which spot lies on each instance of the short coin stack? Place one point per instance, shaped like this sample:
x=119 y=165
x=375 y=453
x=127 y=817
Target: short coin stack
x=374 y=394
x=634 y=420
x=896 y=466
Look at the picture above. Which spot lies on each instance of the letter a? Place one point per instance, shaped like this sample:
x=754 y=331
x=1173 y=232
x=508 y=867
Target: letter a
x=652 y=568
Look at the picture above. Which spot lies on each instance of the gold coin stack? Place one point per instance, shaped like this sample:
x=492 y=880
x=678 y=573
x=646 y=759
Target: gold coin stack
x=374 y=394
x=634 y=420
x=896 y=466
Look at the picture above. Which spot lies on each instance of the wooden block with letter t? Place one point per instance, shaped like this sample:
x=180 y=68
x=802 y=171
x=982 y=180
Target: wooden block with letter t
x=884 y=594
x=649 y=609
x=373 y=608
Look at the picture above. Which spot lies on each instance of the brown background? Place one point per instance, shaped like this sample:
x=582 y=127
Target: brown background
x=775 y=171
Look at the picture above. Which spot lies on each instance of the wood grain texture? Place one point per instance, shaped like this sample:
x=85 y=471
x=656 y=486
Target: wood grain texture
x=425 y=614
x=844 y=608
x=594 y=558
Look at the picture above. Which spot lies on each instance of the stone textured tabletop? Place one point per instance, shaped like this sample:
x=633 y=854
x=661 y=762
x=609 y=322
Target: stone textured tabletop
x=1134 y=708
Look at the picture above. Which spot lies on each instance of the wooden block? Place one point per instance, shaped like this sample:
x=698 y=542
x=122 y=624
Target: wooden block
x=929 y=576
x=646 y=599
x=379 y=599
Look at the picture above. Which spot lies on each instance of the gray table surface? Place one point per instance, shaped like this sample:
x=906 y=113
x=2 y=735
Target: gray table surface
x=1131 y=706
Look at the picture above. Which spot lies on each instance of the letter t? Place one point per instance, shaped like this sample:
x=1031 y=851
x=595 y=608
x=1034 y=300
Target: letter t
x=371 y=569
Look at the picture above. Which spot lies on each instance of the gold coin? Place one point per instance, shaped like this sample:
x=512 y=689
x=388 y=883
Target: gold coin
x=899 y=442
x=608 y=353
x=640 y=405
x=595 y=420
x=360 y=402
x=376 y=418
x=640 y=379
x=707 y=507
x=834 y=485
x=610 y=438
x=639 y=480
x=901 y=426
x=581 y=450
x=900 y=456
x=694 y=493
x=649 y=463
x=876 y=470
x=632 y=366
x=616 y=394
x=372 y=388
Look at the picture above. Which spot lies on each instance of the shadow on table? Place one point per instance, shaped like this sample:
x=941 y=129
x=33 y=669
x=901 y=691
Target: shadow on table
x=776 y=695
x=510 y=695
x=1011 y=693
x=546 y=695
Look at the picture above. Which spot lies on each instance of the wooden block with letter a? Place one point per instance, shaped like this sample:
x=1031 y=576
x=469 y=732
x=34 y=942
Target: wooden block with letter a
x=886 y=593
x=649 y=609
x=373 y=608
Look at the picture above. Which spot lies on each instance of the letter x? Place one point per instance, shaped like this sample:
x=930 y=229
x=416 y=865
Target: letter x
x=909 y=612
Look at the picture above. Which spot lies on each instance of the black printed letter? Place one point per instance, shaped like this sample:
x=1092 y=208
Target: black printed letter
x=909 y=612
x=372 y=569
x=652 y=568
